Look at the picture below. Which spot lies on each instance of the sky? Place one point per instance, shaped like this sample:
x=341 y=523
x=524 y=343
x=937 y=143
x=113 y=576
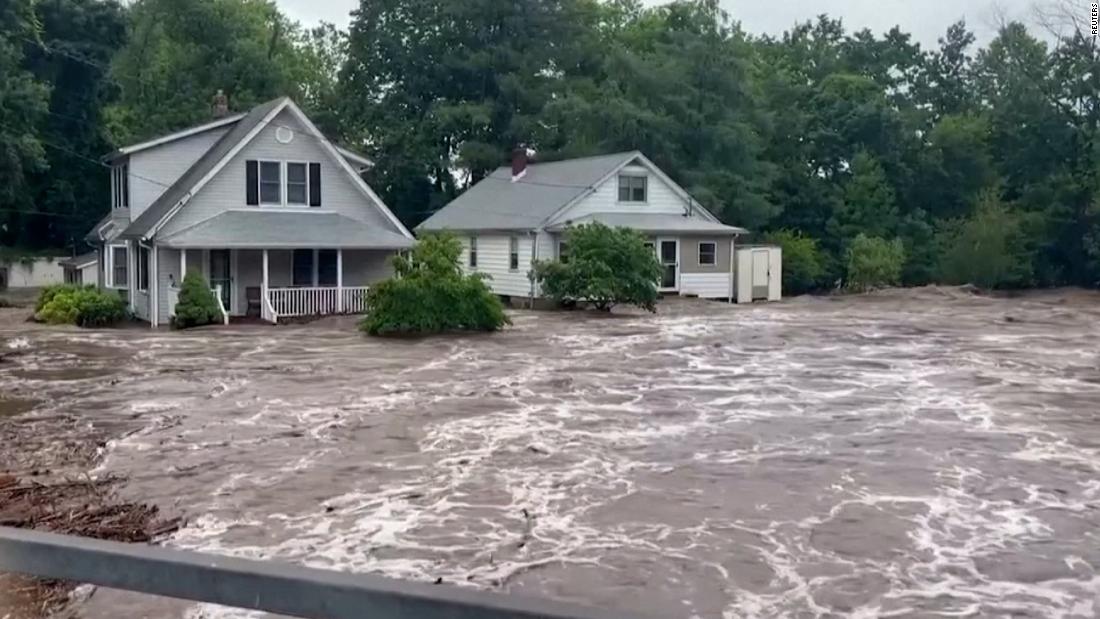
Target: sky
x=926 y=20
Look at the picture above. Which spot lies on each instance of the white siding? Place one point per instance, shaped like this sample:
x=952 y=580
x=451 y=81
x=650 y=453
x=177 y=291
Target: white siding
x=493 y=260
x=546 y=248
x=660 y=198
x=164 y=164
x=339 y=192
x=706 y=285
x=35 y=273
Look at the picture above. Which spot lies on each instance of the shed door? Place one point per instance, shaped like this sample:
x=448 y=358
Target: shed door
x=760 y=274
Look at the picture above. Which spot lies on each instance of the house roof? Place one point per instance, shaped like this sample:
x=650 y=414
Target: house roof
x=654 y=223
x=81 y=261
x=160 y=207
x=499 y=203
x=278 y=227
x=108 y=228
x=123 y=151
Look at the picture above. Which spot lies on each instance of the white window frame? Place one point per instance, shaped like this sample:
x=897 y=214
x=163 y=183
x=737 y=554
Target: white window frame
x=471 y=259
x=631 y=200
x=513 y=251
x=120 y=186
x=260 y=182
x=286 y=184
x=714 y=254
x=110 y=275
x=560 y=243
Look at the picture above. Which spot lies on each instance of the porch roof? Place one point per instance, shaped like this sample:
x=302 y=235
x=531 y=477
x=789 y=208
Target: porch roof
x=655 y=222
x=272 y=229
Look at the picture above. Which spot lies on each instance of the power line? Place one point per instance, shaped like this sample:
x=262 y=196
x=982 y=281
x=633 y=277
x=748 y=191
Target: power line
x=43 y=213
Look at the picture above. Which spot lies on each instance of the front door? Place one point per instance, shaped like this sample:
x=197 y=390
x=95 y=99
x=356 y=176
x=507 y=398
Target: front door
x=221 y=274
x=761 y=273
x=670 y=260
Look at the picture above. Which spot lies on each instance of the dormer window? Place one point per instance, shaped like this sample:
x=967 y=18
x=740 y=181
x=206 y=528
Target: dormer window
x=271 y=182
x=632 y=188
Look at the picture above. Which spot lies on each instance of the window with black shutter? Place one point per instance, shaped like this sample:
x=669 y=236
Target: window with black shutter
x=251 y=183
x=315 y=184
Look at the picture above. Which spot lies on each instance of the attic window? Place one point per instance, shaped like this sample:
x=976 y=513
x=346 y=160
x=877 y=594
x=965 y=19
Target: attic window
x=632 y=188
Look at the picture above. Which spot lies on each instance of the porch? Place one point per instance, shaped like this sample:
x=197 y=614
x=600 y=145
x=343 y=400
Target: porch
x=274 y=284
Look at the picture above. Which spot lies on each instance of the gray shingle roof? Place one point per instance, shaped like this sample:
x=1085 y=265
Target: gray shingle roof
x=655 y=223
x=498 y=203
x=118 y=217
x=275 y=228
x=176 y=192
x=80 y=261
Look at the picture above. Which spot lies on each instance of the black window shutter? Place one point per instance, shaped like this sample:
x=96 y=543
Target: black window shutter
x=251 y=183
x=315 y=184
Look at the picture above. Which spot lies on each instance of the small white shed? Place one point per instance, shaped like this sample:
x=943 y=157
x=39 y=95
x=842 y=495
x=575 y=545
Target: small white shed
x=759 y=273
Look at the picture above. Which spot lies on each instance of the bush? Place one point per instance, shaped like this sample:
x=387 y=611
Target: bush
x=430 y=294
x=803 y=264
x=605 y=267
x=197 y=305
x=49 y=292
x=85 y=307
x=987 y=249
x=874 y=263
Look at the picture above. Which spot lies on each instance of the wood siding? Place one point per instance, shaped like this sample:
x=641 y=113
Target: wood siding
x=164 y=164
x=227 y=190
x=493 y=260
x=660 y=198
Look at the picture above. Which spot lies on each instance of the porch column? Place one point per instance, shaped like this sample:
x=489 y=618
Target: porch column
x=340 y=281
x=183 y=267
x=263 y=288
x=733 y=285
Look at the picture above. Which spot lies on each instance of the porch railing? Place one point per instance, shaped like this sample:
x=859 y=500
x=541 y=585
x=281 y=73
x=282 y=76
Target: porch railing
x=221 y=306
x=263 y=585
x=317 y=301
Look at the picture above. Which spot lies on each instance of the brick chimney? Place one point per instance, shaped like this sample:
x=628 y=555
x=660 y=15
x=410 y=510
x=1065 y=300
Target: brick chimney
x=220 y=107
x=519 y=162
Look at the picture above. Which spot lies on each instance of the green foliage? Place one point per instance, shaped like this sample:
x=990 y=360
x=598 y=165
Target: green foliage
x=82 y=306
x=605 y=267
x=430 y=294
x=802 y=261
x=197 y=305
x=987 y=249
x=874 y=262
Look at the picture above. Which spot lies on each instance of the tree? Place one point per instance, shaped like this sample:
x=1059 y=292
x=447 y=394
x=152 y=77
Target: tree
x=874 y=262
x=802 y=262
x=23 y=103
x=440 y=92
x=869 y=205
x=987 y=249
x=430 y=294
x=181 y=52
x=605 y=267
x=78 y=40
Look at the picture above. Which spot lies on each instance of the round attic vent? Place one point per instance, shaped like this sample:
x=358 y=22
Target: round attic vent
x=284 y=135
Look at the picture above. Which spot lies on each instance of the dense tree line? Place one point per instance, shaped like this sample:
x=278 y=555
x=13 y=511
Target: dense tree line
x=982 y=163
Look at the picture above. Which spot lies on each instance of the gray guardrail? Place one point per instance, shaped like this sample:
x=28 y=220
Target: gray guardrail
x=262 y=585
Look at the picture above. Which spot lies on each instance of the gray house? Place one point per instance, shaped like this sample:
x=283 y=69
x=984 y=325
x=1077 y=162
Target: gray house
x=274 y=215
x=516 y=216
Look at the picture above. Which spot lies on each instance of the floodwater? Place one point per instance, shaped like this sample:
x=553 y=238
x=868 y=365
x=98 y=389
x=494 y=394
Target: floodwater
x=912 y=453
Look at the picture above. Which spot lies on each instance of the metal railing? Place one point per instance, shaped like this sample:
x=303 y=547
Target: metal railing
x=262 y=585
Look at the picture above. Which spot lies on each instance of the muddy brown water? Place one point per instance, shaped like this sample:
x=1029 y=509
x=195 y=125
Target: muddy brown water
x=913 y=453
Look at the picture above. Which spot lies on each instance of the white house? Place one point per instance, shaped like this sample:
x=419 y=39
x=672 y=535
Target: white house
x=82 y=270
x=516 y=216
x=273 y=214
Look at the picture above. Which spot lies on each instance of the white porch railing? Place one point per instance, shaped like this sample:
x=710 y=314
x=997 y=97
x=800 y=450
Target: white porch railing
x=316 y=301
x=218 y=297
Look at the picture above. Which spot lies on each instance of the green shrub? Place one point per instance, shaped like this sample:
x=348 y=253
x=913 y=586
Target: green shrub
x=988 y=249
x=430 y=294
x=803 y=264
x=605 y=267
x=49 y=292
x=874 y=263
x=197 y=305
x=85 y=307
